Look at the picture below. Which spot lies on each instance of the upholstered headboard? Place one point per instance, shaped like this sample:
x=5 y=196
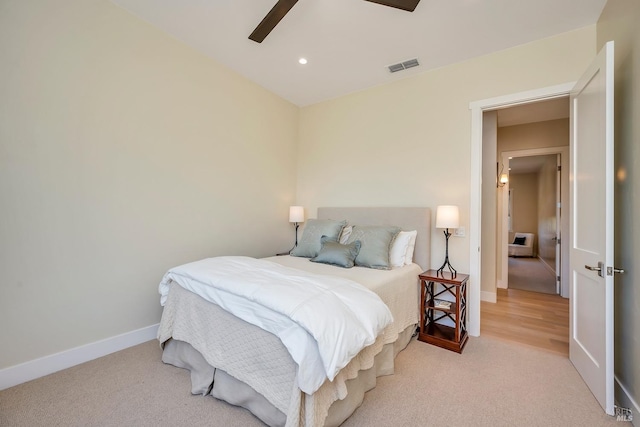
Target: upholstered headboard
x=410 y=218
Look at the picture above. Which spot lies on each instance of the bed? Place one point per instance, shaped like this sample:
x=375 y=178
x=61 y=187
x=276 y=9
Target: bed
x=241 y=363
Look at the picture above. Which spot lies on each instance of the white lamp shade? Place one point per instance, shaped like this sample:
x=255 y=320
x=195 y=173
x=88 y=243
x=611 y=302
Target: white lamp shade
x=447 y=217
x=296 y=214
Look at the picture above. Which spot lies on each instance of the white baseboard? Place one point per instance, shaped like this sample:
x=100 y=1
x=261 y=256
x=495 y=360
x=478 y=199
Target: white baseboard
x=488 y=296
x=37 y=368
x=624 y=399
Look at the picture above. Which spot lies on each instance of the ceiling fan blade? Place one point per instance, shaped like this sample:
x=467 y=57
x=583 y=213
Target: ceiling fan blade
x=408 y=5
x=274 y=16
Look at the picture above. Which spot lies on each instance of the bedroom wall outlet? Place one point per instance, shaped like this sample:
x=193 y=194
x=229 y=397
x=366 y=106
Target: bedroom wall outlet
x=459 y=232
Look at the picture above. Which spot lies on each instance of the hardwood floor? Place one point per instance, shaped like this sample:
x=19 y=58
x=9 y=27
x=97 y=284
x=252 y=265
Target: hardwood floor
x=530 y=318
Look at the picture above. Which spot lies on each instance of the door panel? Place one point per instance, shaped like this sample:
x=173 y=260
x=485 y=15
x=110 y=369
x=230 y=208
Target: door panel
x=587 y=325
x=589 y=167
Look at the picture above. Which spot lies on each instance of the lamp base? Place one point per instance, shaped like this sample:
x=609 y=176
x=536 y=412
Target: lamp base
x=446 y=263
x=296 y=243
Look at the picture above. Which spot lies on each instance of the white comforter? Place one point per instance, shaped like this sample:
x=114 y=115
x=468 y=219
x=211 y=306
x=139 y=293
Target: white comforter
x=324 y=321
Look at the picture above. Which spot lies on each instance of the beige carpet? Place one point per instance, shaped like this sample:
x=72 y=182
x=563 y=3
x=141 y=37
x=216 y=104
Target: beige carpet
x=530 y=274
x=493 y=383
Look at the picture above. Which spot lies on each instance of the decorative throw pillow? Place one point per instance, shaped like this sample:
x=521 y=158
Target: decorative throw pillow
x=309 y=244
x=337 y=254
x=519 y=241
x=375 y=245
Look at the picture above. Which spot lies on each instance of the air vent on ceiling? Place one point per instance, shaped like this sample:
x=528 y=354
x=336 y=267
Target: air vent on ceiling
x=410 y=63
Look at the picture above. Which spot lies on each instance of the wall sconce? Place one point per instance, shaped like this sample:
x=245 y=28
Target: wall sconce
x=501 y=177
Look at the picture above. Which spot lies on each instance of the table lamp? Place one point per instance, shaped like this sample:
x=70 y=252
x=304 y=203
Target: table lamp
x=447 y=217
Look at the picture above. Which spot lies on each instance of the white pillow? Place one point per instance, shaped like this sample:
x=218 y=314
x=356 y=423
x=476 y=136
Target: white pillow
x=400 y=249
x=346 y=232
x=408 y=259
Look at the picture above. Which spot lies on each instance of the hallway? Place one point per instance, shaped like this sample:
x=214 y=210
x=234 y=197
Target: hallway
x=530 y=274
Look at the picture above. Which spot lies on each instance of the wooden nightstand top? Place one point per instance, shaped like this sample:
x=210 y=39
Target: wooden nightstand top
x=444 y=277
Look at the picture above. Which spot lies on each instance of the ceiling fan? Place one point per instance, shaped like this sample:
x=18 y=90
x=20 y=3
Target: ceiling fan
x=282 y=7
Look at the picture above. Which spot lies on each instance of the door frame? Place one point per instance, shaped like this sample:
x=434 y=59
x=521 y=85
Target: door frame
x=475 y=221
x=564 y=217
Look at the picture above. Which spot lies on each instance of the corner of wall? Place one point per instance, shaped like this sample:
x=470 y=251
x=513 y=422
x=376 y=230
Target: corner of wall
x=489 y=296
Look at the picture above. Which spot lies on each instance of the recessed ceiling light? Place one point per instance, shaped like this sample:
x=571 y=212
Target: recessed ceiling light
x=302 y=61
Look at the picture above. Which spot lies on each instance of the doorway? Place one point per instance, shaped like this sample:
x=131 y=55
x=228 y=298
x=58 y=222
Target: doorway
x=478 y=108
x=532 y=206
x=533 y=223
x=532 y=143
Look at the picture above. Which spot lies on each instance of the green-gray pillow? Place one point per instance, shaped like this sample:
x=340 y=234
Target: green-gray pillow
x=309 y=244
x=375 y=245
x=335 y=253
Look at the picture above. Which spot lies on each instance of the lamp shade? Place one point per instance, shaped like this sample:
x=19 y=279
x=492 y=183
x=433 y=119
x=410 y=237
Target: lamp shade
x=447 y=217
x=296 y=214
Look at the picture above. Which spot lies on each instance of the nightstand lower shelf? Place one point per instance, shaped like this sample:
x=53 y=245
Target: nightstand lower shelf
x=443 y=336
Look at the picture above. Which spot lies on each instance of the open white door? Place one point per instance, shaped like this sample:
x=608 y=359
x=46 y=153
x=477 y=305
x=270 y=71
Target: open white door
x=591 y=225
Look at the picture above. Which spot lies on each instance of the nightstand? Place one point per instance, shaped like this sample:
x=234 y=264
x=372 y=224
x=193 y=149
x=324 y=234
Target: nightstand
x=436 y=287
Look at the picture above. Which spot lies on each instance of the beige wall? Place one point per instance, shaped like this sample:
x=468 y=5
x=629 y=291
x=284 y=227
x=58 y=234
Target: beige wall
x=551 y=133
x=547 y=212
x=619 y=22
x=122 y=154
x=408 y=142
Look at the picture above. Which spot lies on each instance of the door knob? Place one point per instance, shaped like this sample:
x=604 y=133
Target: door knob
x=611 y=270
x=599 y=268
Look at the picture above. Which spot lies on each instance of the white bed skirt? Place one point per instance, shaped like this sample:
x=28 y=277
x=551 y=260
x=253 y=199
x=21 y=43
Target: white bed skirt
x=207 y=380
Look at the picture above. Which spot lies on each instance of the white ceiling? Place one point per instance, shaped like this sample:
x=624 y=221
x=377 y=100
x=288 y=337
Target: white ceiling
x=349 y=43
